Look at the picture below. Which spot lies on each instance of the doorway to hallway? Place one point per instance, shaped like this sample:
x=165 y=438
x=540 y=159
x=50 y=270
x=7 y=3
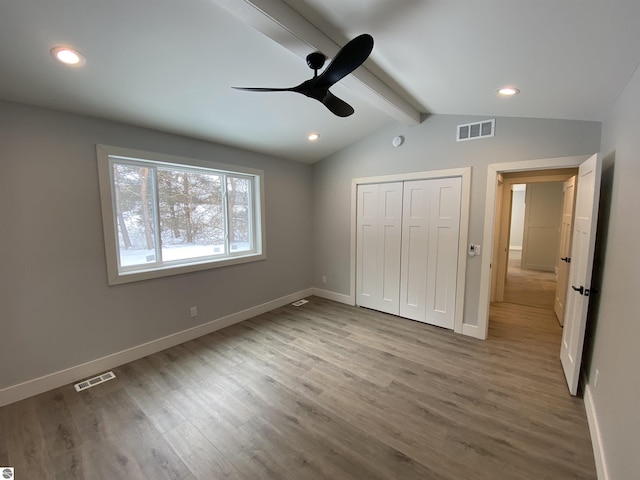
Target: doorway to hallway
x=582 y=251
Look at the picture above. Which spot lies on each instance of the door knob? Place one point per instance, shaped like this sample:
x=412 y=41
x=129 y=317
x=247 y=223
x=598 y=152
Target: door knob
x=566 y=259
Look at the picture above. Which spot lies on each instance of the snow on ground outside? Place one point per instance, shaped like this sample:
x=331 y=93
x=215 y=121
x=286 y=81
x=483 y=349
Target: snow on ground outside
x=140 y=256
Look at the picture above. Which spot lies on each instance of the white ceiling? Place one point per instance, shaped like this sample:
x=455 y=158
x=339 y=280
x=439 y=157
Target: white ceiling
x=170 y=65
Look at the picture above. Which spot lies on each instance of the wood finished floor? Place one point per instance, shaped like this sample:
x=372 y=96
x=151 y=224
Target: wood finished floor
x=323 y=391
x=528 y=287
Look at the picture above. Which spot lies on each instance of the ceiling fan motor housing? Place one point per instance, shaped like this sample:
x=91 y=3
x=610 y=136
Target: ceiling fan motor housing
x=316 y=60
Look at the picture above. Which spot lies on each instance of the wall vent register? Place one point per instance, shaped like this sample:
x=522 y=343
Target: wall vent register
x=473 y=131
x=92 y=382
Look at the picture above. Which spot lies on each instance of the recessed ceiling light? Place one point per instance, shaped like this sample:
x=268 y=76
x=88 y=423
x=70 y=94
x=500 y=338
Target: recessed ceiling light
x=508 y=91
x=68 y=56
x=313 y=137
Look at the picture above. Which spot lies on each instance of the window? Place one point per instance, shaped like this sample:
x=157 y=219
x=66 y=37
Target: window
x=165 y=215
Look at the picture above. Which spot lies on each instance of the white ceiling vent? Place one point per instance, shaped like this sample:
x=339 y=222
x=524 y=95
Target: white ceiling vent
x=92 y=382
x=471 y=131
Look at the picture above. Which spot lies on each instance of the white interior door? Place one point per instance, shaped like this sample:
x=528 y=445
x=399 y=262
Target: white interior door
x=430 y=236
x=564 y=254
x=378 y=243
x=582 y=250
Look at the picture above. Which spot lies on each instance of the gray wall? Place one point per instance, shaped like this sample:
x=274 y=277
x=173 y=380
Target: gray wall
x=56 y=309
x=614 y=331
x=430 y=146
x=543 y=218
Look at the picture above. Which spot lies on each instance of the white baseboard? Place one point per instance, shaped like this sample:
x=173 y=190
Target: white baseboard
x=471 y=331
x=36 y=386
x=596 y=440
x=336 y=297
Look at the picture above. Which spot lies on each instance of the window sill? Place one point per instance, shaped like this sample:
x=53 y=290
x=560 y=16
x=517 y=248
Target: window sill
x=118 y=278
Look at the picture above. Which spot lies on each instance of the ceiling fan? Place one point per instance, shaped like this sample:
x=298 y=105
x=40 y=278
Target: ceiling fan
x=350 y=57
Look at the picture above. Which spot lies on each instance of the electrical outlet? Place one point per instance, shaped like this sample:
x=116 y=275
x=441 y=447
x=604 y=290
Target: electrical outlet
x=596 y=375
x=324 y=279
x=194 y=312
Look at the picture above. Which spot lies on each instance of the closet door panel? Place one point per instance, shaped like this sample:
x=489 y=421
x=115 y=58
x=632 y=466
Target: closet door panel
x=415 y=247
x=444 y=230
x=367 y=243
x=378 y=243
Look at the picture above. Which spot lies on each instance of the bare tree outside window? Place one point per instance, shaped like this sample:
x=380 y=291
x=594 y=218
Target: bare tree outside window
x=168 y=214
x=134 y=207
x=238 y=195
x=165 y=215
x=192 y=219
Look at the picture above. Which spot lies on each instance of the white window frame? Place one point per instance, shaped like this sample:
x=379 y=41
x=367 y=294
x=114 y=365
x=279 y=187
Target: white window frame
x=106 y=154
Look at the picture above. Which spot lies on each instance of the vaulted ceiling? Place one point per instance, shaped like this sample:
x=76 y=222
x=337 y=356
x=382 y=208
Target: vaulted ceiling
x=170 y=65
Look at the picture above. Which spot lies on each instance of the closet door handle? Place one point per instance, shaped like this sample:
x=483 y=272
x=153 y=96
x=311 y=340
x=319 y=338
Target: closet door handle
x=566 y=259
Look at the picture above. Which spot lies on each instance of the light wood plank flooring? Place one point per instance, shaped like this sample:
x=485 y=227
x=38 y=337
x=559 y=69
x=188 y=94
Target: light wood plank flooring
x=528 y=287
x=322 y=391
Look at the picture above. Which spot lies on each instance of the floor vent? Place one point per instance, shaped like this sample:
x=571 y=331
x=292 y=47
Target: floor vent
x=94 y=381
x=472 y=131
x=299 y=302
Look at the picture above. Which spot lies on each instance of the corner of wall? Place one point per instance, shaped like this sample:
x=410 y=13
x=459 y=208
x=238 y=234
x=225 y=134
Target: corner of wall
x=336 y=297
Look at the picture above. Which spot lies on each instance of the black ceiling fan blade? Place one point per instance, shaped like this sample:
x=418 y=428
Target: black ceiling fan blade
x=350 y=57
x=261 y=89
x=337 y=106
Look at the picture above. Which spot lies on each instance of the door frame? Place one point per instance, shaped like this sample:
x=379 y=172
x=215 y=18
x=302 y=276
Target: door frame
x=465 y=174
x=503 y=225
x=493 y=170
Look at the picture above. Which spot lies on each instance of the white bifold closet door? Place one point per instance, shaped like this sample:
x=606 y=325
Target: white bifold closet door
x=429 y=254
x=379 y=237
x=407 y=248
